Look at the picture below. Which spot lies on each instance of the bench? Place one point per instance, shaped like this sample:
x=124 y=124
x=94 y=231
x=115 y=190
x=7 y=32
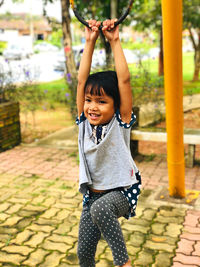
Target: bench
x=191 y=137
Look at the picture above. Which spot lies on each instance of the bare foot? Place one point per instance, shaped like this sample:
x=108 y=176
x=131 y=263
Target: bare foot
x=127 y=264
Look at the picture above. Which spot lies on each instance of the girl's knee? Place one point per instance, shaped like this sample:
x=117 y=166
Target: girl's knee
x=95 y=212
x=99 y=211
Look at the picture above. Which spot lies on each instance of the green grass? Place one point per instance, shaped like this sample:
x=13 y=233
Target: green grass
x=56 y=91
x=189 y=87
x=55 y=85
x=188 y=66
x=46 y=95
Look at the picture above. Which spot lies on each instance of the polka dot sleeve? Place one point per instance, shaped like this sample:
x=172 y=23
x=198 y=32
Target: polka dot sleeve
x=124 y=124
x=81 y=119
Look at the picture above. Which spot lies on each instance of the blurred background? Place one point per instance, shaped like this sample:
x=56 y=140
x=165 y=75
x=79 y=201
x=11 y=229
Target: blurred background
x=41 y=43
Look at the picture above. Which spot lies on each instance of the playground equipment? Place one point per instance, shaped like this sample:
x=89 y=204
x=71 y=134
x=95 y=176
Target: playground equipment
x=120 y=20
x=172 y=36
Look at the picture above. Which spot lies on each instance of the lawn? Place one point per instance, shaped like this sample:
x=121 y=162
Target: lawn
x=189 y=87
x=188 y=66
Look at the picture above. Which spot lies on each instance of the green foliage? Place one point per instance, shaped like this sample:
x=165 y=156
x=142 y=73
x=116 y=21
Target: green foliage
x=56 y=38
x=151 y=65
x=147 y=15
x=99 y=10
x=146 y=87
x=191 y=14
x=54 y=92
x=29 y=94
x=138 y=46
x=191 y=88
x=45 y=96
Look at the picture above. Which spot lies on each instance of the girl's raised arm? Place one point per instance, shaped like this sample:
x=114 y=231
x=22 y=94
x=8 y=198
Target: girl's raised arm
x=123 y=75
x=91 y=36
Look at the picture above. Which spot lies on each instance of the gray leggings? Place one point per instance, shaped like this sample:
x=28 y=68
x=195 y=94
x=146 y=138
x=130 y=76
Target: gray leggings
x=98 y=217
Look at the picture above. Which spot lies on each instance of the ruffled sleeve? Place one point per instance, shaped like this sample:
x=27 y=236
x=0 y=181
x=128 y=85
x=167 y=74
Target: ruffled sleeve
x=81 y=119
x=124 y=124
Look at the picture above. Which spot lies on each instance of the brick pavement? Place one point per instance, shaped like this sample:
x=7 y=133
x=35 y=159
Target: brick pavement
x=40 y=208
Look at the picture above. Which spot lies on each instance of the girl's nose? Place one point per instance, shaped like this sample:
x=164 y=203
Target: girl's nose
x=93 y=106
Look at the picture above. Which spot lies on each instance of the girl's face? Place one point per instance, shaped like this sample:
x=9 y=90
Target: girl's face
x=98 y=109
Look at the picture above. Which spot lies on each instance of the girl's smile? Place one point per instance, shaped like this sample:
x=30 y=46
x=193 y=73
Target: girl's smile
x=98 y=109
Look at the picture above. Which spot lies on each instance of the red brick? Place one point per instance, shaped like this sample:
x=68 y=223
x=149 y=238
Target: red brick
x=191 y=220
x=185 y=246
x=195 y=260
x=196 y=251
x=192 y=230
x=189 y=236
x=194 y=212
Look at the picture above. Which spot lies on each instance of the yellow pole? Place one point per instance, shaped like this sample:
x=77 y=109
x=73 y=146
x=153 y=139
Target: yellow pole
x=172 y=40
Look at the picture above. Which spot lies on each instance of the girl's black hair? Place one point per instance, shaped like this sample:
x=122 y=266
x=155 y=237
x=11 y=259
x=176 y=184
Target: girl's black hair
x=106 y=80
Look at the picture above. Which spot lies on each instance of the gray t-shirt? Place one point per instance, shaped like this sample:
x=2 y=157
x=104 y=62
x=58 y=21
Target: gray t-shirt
x=109 y=164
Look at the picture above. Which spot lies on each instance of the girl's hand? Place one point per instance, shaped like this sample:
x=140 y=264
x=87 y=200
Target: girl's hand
x=92 y=33
x=110 y=31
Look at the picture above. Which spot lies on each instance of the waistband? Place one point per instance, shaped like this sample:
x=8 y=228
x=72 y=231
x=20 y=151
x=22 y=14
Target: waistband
x=98 y=191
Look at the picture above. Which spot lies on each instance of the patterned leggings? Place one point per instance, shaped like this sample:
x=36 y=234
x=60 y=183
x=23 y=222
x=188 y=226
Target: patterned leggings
x=100 y=216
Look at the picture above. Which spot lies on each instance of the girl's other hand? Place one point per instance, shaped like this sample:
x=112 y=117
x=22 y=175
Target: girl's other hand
x=92 y=33
x=110 y=31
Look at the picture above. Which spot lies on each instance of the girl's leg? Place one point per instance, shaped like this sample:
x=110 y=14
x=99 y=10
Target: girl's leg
x=89 y=235
x=105 y=213
x=127 y=264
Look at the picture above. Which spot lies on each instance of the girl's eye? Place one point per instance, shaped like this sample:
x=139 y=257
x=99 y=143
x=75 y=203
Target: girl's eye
x=87 y=100
x=102 y=102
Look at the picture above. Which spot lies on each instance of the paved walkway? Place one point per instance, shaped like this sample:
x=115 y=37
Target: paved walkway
x=40 y=208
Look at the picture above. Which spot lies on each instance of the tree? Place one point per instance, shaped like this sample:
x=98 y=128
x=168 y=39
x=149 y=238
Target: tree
x=71 y=73
x=148 y=17
x=191 y=23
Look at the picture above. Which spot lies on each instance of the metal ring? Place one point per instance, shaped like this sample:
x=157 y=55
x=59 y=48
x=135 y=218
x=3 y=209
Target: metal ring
x=120 y=20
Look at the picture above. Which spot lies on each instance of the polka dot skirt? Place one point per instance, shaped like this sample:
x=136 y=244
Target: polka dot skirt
x=132 y=194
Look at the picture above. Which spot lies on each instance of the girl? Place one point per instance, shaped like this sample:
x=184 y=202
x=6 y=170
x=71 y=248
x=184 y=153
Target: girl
x=109 y=178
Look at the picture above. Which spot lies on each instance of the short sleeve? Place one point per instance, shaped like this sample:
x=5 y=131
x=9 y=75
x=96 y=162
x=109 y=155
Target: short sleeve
x=124 y=124
x=81 y=119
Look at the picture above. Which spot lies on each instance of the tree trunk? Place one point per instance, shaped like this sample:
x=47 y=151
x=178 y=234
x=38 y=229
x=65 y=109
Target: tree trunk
x=113 y=8
x=1 y=2
x=196 y=65
x=161 y=55
x=113 y=14
x=106 y=44
x=71 y=75
x=196 y=47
